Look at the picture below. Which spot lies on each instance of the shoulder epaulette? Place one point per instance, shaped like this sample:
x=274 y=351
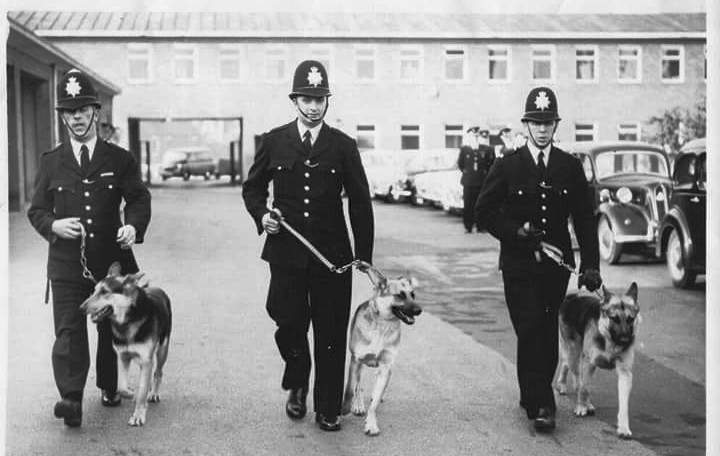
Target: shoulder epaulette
x=341 y=133
x=279 y=129
x=55 y=149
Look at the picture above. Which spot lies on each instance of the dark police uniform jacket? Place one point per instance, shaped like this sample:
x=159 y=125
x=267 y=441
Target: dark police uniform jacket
x=513 y=194
x=474 y=164
x=62 y=191
x=307 y=190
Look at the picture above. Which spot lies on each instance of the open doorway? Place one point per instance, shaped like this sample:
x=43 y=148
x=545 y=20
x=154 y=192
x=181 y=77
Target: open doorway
x=188 y=148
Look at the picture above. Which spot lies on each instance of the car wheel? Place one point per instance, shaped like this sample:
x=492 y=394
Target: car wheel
x=186 y=175
x=610 y=250
x=676 y=262
x=164 y=178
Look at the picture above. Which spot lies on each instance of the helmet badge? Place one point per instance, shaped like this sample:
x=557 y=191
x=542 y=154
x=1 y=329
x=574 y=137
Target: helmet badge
x=542 y=102
x=73 y=87
x=314 y=77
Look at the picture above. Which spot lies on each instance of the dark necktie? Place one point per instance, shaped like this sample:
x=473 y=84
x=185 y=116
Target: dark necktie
x=541 y=165
x=307 y=142
x=84 y=159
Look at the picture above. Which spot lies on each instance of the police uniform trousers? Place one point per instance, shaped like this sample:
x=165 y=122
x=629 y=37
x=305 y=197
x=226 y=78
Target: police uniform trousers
x=470 y=196
x=533 y=301
x=296 y=297
x=70 y=352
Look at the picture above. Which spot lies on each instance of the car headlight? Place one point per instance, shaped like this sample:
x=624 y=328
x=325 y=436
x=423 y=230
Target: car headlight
x=624 y=195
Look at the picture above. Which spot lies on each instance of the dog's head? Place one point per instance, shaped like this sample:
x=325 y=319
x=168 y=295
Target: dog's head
x=619 y=315
x=396 y=298
x=114 y=297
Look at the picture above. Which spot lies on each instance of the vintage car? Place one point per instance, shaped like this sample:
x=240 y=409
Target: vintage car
x=428 y=161
x=631 y=186
x=187 y=161
x=386 y=173
x=682 y=232
x=433 y=188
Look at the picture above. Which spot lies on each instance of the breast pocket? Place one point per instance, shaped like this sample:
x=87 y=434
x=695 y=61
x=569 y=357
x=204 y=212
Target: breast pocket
x=283 y=178
x=64 y=195
x=329 y=177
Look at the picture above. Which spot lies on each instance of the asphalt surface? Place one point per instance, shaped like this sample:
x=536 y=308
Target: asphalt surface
x=453 y=392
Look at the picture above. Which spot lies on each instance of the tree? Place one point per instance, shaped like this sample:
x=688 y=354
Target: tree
x=677 y=126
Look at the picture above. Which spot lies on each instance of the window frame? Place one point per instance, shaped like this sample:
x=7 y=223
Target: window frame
x=460 y=135
x=624 y=128
x=359 y=58
x=418 y=134
x=594 y=131
x=282 y=55
x=680 y=58
x=237 y=48
x=551 y=58
x=135 y=47
x=638 y=58
x=455 y=47
x=374 y=134
x=420 y=58
x=195 y=58
x=596 y=63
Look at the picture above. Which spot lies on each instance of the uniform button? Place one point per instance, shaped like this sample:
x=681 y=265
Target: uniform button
x=87 y=208
x=89 y=221
x=519 y=192
x=307 y=174
x=543 y=208
x=86 y=181
x=332 y=170
x=565 y=191
x=59 y=189
x=307 y=188
x=306 y=214
x=307 y=162
x=110 y=185
x=306 y=201
x=279 y=167
x=92 y=235
x=87 y=194
x=542 y=195
x=544 y=220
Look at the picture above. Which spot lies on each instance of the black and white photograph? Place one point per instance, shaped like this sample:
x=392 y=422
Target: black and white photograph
x=341 y=228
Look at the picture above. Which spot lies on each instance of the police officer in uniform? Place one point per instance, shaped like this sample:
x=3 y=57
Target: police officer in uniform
x=474 y=161
x=78 y=190
x=528 y=197
x=309 y=163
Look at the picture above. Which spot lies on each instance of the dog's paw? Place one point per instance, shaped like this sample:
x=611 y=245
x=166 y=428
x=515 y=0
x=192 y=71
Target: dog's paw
x=126 y=393
x=583 y=410
x=371 y=428
x=624 y=433
x=153 y=397
x=137 y=418
x=358 y=407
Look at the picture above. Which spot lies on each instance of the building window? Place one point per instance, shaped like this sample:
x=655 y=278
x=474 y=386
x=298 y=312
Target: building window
x=275 y=62
x=365 y=64
x=629 y=64
x=411 y=64
x=323 y=54
x=453 y=136
x=585 y=132
x=409 y=137
x=366 y=136
x=673 y=69
x=185 y=62
x=454 y=64
x=139 y=62
x=629 y=132
x=498 y=63
x=586 y=64
x=229 y=62
x=543 y=63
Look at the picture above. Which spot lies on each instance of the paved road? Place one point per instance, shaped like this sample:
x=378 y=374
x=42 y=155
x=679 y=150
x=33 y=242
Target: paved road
x=450 y=394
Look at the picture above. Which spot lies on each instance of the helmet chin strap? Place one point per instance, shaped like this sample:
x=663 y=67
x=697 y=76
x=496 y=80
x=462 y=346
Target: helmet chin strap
x=532 y=138
x=305 y=116
x=90 y=125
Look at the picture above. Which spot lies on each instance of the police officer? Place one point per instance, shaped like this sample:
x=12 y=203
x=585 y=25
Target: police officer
x=528 y=197
x=78 y=190
x=474 y=161
x=309 y=163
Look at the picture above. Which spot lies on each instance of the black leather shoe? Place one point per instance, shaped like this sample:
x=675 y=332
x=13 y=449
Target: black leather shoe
x=110 y=399
x=532 y=412
x=327 y=423
x=295 y=406
x=70 y=411
x=545 y=420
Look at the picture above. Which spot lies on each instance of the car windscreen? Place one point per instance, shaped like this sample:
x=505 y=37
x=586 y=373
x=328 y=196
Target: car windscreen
x=171 y=157
x=618 y=162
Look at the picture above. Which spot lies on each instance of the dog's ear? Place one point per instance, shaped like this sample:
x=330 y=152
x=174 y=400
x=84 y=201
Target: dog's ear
x=140 y=279
x=606 y=294
x=633 y=292
x=414 y=282
x=114 y=269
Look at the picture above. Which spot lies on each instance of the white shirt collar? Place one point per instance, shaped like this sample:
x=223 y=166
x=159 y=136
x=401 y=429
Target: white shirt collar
x=76 y=145
x=314 y=131
x=535 y=151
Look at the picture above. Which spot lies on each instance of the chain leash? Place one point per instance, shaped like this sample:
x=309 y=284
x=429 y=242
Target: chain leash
x=83 y=260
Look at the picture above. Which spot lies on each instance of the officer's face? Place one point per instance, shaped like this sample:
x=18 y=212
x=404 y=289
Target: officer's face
x=79 y=122
x=312 y=109
x=541 y=132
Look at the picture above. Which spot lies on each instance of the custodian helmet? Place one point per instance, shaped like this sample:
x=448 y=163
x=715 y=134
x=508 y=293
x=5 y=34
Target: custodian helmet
x=541 y=105
x=311 y=80
x=75 y=90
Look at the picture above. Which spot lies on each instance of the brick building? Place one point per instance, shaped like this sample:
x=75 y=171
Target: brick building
x=398 y=80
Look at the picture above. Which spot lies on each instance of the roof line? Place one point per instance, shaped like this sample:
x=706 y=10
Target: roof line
x=14 y=25
x=365 y=35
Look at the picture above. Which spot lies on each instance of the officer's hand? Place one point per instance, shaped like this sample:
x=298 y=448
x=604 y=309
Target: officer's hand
x=363 y=266
x=527 y=232
x=126 y=236
x=591 y=279
x=67 y=228
x=271 y=225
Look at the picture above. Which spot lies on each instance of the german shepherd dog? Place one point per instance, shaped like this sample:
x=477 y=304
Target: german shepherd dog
x=141 y=320
x=597 y=332
x=375 y=339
